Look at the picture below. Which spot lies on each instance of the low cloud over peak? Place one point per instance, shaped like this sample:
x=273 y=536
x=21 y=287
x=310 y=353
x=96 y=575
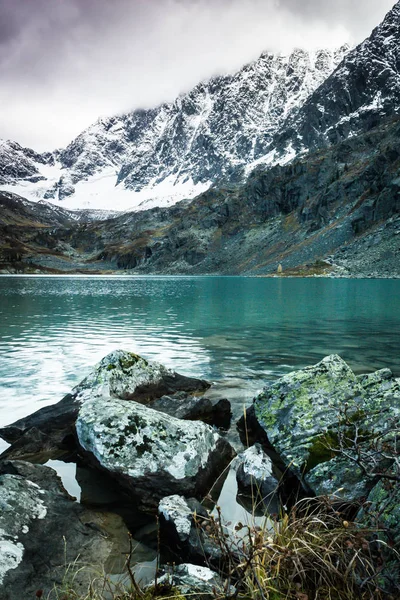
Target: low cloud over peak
x=63 y=63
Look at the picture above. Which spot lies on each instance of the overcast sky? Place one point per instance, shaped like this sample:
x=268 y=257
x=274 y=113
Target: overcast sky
x=64 y=63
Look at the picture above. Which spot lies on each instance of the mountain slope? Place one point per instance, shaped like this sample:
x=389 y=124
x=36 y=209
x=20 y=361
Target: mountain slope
x=335 y=210
x=362 y=91
x=30 y=232
x=18 y=163
x=179 y=149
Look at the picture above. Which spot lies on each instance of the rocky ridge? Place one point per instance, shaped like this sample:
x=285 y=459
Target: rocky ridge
x=204 y=135
x=361 y=93
x=335 y=211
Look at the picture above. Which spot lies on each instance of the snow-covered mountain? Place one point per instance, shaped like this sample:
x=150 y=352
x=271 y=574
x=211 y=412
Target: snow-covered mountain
x=357 y=96
x=267 y=113
x=22 y=164
x=177 y=150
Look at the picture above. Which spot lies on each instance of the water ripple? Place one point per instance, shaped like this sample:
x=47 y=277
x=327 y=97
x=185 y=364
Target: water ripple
x=243 y=330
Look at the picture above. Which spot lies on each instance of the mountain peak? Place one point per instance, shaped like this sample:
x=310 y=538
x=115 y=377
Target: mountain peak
x=268 y=112
x=180 y=148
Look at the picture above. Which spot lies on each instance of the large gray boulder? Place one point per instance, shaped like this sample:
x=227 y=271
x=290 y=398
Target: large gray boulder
x=298 y=411
x=118 y=375
x=151 y=454
x=336 y=431
x=46 y=537
x=303 y=411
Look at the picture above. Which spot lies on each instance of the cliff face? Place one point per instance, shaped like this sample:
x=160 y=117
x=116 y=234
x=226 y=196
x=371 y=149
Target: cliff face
x=338 y=206
x=319 y=208
x=359 y=94
x=178 y=149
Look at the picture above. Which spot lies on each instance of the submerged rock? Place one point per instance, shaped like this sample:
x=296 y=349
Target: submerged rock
x=118 y=375
x=44 y=533
x=151 y=454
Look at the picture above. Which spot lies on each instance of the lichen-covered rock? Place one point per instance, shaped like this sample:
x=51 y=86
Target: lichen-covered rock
x=42 y=530
x=176 y=511
x=377 y=382
x=254 y=475
x=299 y=409
x=131 y=377
x=183 y=532
x=382 y=512
x=120 y=374
x=302 y=411
x=151 y=454
x=195 y=582
x=340 y=479
x=321 y=418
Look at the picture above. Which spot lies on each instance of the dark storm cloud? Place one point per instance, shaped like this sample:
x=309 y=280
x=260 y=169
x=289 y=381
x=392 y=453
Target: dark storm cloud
x=65 y=62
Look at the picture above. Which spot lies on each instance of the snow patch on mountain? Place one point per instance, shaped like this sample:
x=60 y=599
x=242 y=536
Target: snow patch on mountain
x=100 y=192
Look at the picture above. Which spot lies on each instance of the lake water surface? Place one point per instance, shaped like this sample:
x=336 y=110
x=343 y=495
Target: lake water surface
x=237 y=332
x=233 y=330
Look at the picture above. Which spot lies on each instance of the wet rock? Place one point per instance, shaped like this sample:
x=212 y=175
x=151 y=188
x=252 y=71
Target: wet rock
x=184 y=406
x=151 y=455
x=195 y=582
x=183 y=532
x=119 y=375
x=255 y=477
x=43 y=531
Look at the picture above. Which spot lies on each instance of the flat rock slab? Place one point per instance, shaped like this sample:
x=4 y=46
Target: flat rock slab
x=43 y=531
x=151 y=454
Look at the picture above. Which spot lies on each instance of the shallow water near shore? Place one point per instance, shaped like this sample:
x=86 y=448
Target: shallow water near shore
x=237 y=332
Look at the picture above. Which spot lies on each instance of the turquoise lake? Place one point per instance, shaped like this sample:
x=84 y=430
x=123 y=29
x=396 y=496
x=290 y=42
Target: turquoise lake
x=236 y=331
